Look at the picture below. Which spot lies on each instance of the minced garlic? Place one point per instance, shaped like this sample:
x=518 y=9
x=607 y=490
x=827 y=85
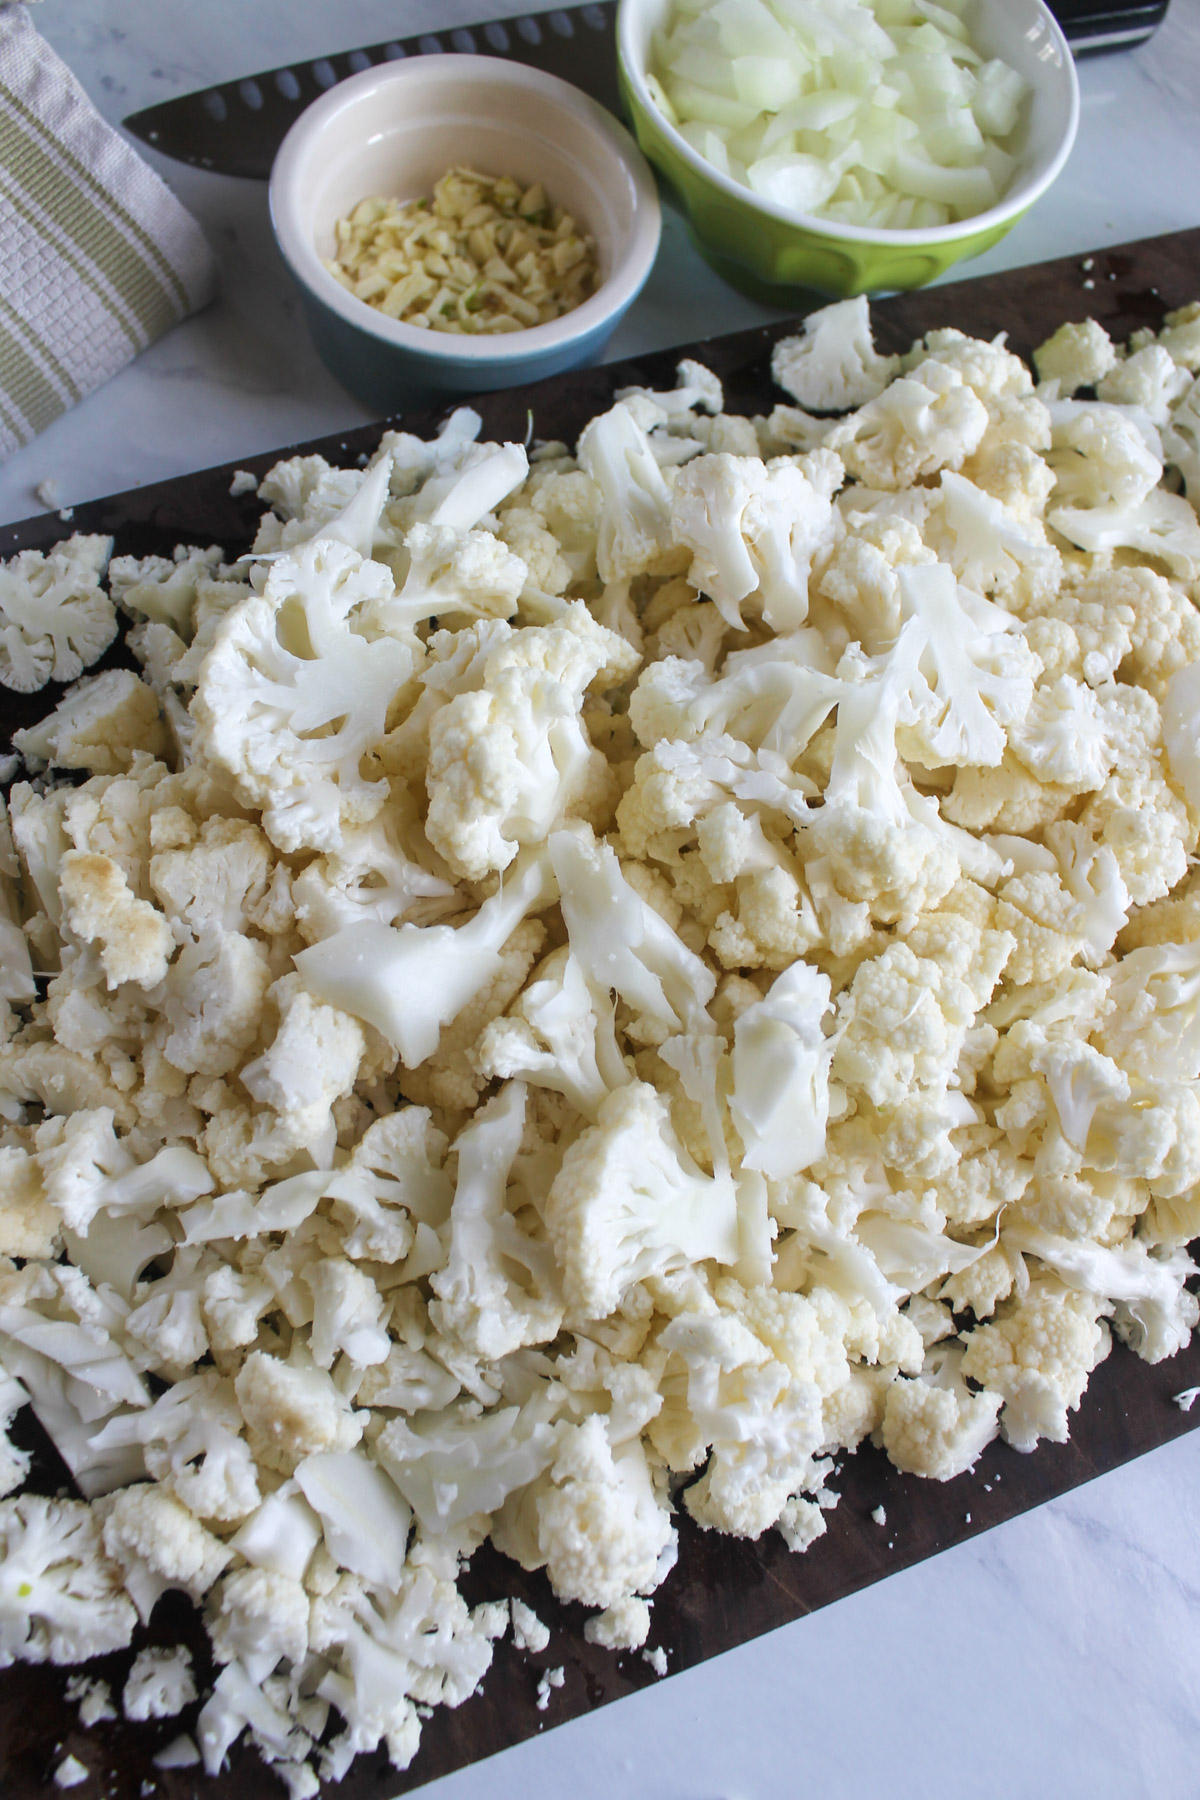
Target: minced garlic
x=484 y=255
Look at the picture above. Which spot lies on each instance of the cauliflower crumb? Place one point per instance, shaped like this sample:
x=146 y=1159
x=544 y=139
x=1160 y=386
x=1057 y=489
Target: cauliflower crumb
x=159 y=1684
x=529 y=1632
x=879 y=1515
x=1185 y=1399
x=180 y=1753
x=657 y=1660
x=549 y=1679
x=624 y=1626
x=94 y=1698
x=70 y=1772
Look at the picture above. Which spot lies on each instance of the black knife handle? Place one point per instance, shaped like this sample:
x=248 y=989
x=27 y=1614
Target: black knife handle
x=237 y=127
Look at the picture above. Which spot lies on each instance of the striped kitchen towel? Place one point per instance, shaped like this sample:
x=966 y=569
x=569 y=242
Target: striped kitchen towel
x=97 y=257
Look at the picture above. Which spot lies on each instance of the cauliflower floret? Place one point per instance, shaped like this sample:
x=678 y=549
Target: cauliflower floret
x=1181 y=441
x=868 y=844
x=1062 y=737
x=258 y=1615
x=977 y=1187
x=510 y=758
x=973 y=678
x=160 y=1545
x=499 y=1289
x=85 y=1169
x=135 y=941
x=1012 y=473
x=1137 y=813
x=1076 y=356
x=862 y=577
x=559 y=1035
x=758 y=1371
x=1160 y=525
x=1100 y=459
x=372 y=876
x=629 y=1202
x=159 y=1684
x=632 y=497
x=981 y=1286
x=1181 y=335
x=929 y=419
x=394 y=1176
x=1164 y=624
x=753 y=529
x=312 y=1060
x=219 y=878
x=60 y=1592
x=98 y=725
x=292 y=1411
x=55 y=619
x=452 y=574
x=1149 y=380
x=29 y=1224
x=991 y=550
x=1008 y=798
x=1038 y=1356
x=163 y=589
x=393 y=1652
x=623 y=1626
x=212 y=1003
x=988 y=368
x=292 y=696
x=935 y=1425
x=774 y=921
x=525 y=531
x=1073 y=907
x=833 y=365
x=600 y=1529
x=410 y=982
x=904 y=1017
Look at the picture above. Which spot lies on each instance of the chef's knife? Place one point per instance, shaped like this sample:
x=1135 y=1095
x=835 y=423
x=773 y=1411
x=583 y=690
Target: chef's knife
x=237 y=127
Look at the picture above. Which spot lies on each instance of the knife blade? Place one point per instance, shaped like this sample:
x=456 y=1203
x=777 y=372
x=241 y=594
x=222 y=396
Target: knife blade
x=236 y=127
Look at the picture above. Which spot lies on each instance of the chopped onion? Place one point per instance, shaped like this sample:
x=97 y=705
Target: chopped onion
x=877 y=113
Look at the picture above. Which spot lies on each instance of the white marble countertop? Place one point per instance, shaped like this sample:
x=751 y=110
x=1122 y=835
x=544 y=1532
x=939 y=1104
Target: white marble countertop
x=1058 y=1655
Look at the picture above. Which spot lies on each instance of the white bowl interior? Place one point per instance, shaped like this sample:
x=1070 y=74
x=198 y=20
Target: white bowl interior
x=1023 y=33
x=397 y=129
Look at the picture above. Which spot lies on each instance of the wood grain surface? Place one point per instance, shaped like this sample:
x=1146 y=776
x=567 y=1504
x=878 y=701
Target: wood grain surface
x=722 y=1591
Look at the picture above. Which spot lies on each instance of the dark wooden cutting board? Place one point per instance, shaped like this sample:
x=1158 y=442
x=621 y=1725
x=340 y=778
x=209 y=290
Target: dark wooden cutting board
x=722 y=1592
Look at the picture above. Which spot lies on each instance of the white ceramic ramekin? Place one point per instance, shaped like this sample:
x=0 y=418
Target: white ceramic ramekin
x=394 y=130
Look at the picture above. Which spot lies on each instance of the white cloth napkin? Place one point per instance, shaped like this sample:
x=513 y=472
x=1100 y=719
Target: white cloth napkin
x=97 y=257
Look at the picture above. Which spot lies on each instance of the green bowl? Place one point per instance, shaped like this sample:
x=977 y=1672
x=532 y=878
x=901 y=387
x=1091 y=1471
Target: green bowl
x=763 y=248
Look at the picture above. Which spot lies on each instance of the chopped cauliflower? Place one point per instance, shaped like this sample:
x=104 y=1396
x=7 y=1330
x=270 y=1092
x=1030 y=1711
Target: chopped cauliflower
x=584 y=987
